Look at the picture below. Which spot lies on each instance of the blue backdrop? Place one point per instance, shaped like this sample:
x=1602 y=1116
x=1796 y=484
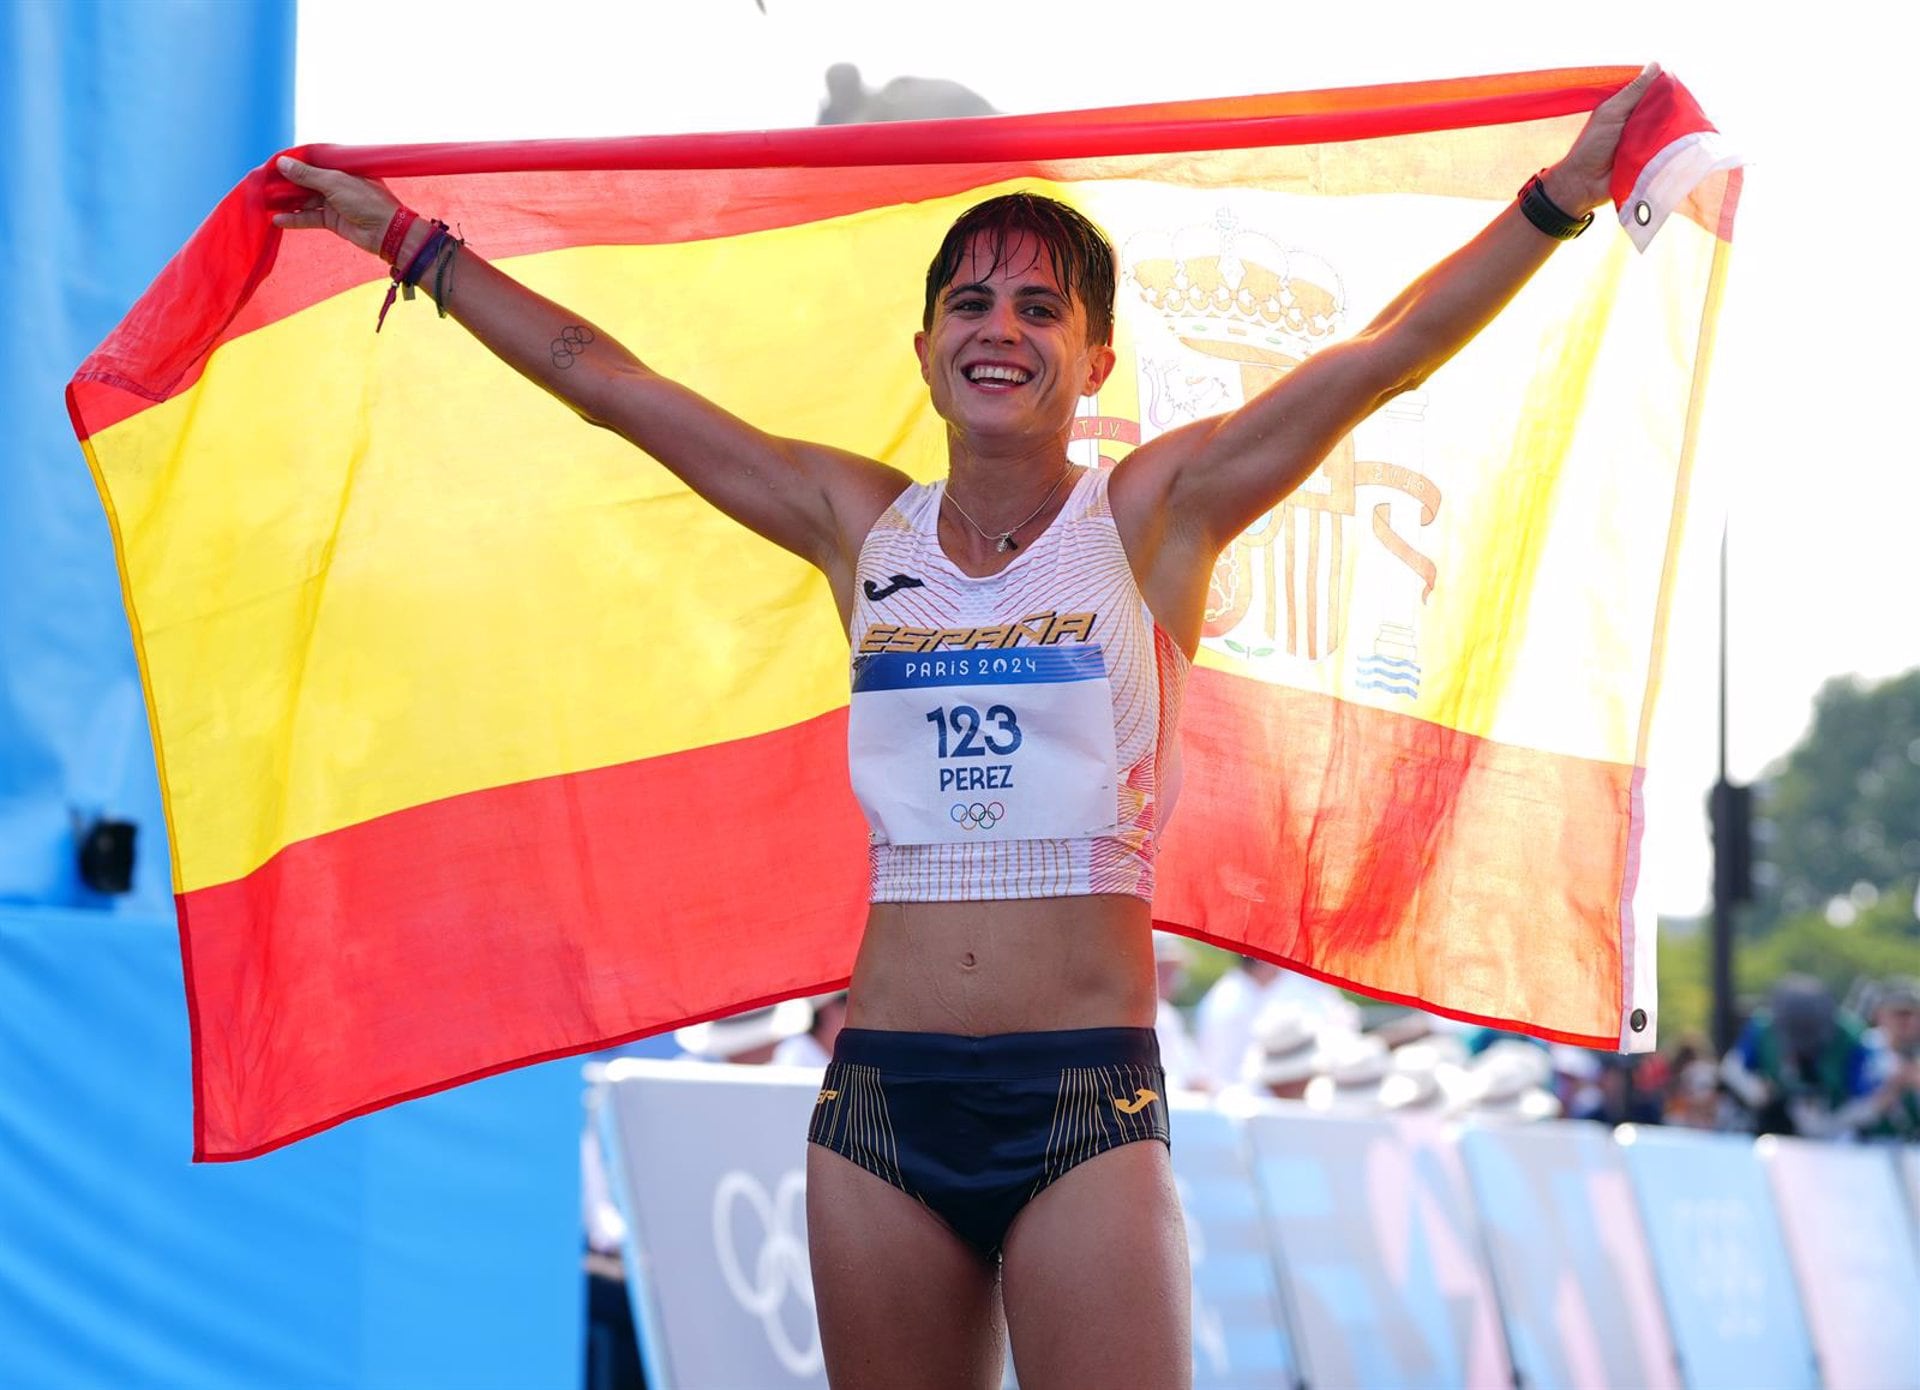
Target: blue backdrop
x=435 y=1244
x=121 y=124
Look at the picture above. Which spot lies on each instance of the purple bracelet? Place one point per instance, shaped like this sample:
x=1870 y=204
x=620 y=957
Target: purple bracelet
x=424 y=256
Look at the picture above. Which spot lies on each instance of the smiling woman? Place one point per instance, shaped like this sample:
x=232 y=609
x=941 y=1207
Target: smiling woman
x=1020 y=640
x=1021 y=634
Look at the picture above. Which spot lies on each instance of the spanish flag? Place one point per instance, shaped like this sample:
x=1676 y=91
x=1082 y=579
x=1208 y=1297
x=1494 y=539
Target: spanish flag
x=484 y=741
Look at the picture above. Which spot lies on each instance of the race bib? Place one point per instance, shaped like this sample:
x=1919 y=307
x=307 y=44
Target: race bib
x=999 y=745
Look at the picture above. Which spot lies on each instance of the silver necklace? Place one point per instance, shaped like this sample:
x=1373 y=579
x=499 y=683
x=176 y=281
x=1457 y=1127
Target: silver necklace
x=1004 y=540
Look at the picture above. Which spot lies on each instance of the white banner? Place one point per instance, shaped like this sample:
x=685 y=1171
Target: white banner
x=1721 y=1262
x=1848 y=1235
x=1240 y=1339
x=1375 y=1232
x=1569 y=1257
x=1337 y=1251
x=708 y=1165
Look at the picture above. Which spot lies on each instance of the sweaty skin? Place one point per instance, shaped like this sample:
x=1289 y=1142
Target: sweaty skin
x=1015 y=966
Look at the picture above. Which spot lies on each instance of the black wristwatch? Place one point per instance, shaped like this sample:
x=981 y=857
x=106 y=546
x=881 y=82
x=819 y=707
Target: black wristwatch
x=1547 y=215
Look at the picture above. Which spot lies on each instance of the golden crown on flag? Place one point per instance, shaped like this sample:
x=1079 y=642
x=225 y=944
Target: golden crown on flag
x=1223 y=288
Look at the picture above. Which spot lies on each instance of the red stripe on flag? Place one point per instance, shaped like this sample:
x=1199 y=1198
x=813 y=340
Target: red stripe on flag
x=1667 y=112
x=1405 y=853
x=454 y=940
x=727 y=184
x=465 y=937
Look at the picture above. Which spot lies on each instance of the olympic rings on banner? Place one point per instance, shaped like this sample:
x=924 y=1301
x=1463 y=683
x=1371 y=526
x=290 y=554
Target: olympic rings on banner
x=779 y=1266
x=977 y=815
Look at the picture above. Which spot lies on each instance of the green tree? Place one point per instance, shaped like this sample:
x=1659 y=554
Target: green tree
x=1876 y=943
x=1839 y=816
x=1686 y=992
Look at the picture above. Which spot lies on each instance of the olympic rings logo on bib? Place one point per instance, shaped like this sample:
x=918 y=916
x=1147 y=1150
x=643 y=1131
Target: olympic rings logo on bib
x=976 y=815
x=1030 y=733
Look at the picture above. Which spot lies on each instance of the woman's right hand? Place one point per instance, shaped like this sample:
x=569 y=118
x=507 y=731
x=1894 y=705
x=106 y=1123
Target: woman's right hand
x=355 y=208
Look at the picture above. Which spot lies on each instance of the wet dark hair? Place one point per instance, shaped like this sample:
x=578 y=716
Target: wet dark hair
x=1081 y=256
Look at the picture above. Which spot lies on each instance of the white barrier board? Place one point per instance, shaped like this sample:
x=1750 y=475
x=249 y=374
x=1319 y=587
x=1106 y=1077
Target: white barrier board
x=708 y=1165
x=1848 y=1236
x=1570 y=1259
x=1240 y=1340
x=1379 y=1254
x=1721 y=1261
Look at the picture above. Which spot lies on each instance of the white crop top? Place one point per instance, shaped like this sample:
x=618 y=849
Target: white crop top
x=1010 y=736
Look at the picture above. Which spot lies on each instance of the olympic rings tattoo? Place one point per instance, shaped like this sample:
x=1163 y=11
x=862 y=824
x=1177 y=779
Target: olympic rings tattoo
x=571 y=343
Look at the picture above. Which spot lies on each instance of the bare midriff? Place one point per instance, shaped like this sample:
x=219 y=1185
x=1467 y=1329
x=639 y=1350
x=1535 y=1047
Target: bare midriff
x=1024 y=965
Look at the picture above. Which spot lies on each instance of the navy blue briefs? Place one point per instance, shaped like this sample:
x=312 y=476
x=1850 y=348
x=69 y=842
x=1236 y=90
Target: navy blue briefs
x=975 y=1128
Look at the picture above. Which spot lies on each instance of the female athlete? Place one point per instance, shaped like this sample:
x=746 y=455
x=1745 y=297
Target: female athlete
x=1021 y=631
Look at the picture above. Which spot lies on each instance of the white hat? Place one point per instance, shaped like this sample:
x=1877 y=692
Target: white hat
x=1424 y=1074
x=1289 y=1048
x=729 y=1037
x=1576 y=1062
x=1355 y=1061
x=1509 y=1079
x=1351 y=1066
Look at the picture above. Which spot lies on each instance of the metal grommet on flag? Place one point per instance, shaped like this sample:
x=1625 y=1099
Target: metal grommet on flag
x=1668 y=151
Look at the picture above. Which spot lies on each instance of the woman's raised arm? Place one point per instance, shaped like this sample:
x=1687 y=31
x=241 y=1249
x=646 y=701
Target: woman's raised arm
x=815 y=501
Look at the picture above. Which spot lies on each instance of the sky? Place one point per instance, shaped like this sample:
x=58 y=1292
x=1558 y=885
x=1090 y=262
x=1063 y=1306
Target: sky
x=1798 y=450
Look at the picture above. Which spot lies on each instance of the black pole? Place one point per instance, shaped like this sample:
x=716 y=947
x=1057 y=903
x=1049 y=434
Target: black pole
x=1726 y=851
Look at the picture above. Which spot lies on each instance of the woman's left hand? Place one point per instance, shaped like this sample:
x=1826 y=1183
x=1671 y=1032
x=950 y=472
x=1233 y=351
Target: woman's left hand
x=1579 y=183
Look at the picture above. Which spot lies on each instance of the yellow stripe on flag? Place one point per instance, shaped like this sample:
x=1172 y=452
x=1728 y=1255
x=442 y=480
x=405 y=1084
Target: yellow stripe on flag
x=403 y=573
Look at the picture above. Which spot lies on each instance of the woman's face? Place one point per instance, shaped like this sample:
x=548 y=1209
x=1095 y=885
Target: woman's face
x=1007 y=356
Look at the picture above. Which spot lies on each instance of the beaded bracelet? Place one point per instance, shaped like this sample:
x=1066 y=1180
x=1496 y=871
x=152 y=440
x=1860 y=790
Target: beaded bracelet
x=443 y=274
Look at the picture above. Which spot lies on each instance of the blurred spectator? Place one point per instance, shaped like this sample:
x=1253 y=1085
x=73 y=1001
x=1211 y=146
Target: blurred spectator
x=1230 y=1013
x=1287 y=1055
x=1424 y=1074
x=744 y=1039
x=1223 y=1022
x=814 y=1048
x=1576 y=1080
x=1800 y=1064
x=1507 y=1081
x=1351 y=1068
x=1178 y=1054
x=1694 y=1100
x=1892 y=1108
x=1623 y=1098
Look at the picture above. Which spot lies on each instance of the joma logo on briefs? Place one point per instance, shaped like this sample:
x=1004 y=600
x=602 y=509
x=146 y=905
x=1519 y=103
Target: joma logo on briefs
x=1039 y=629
